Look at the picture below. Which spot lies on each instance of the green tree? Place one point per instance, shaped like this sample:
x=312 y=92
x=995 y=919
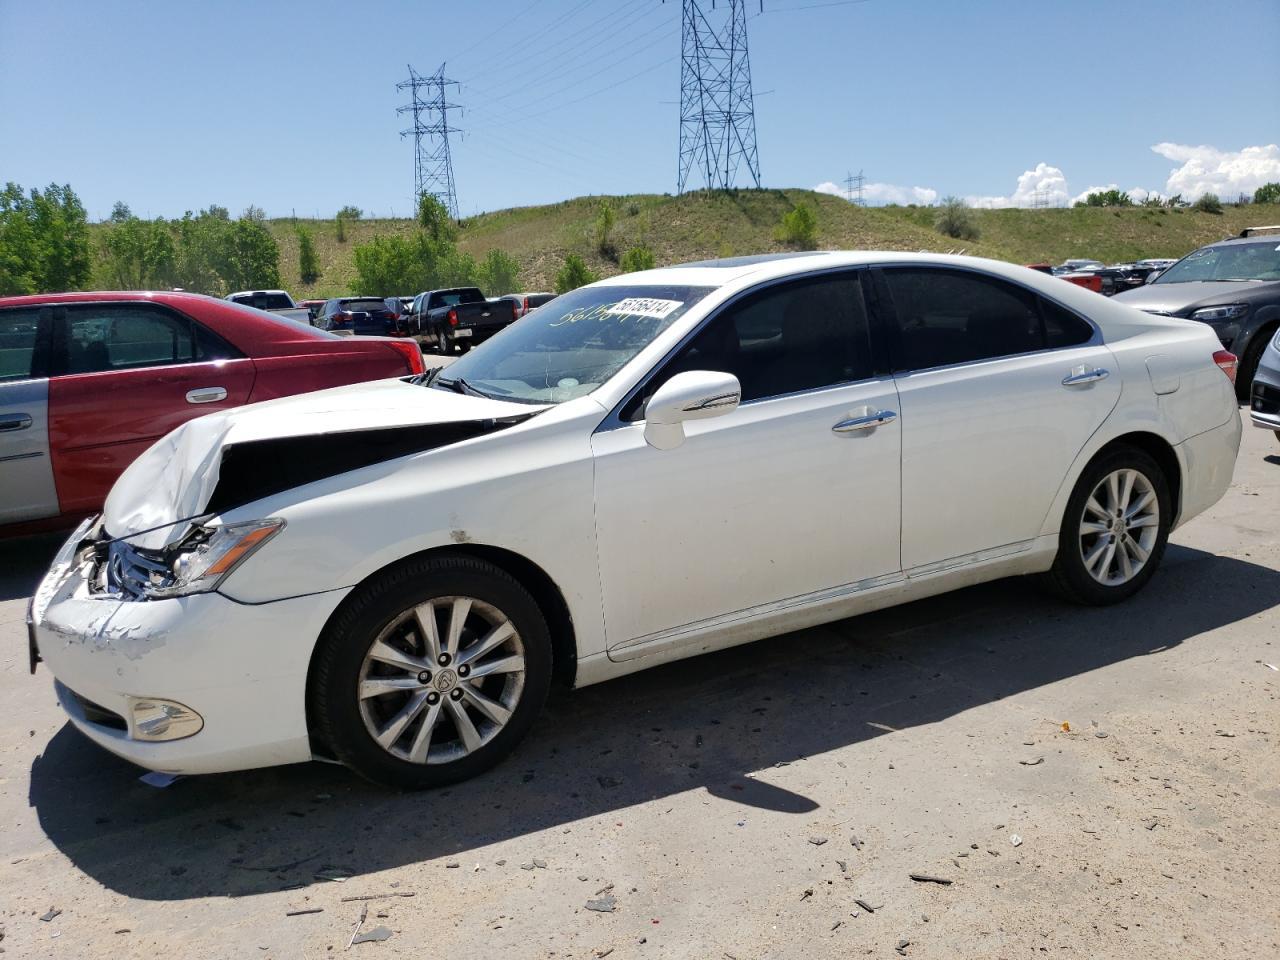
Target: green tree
x=433 y=217
x=120 y=212
x=385 y=266
x=574 y=274
x=1267 y=193
x=340 y=224
x=799 y=227
x=138 y=255
x=955 y=219
x=604 y=232
x=1209 y=203
x=44 y=240
x=1106 y=198
x=637 y=258
x=498 y=273
x=308 y=266
x=253 y=257
x=350 y=212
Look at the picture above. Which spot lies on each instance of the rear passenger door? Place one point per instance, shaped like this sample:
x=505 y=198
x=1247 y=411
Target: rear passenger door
x=125 y=374
x=1000 y=388
x=26 y=475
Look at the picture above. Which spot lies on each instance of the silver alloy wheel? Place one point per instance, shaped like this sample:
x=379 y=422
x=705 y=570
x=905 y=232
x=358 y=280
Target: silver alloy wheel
x=441 y=680
x=1119 y=528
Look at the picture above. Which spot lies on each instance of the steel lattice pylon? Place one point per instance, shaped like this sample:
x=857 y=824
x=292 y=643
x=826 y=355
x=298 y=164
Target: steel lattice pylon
x=717 y=112
x=432 y=162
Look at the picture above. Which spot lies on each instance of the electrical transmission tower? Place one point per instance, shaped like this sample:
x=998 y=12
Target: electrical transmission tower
x=432 y=162
x=1040 y=199
x=717 y=112
x=853 y=188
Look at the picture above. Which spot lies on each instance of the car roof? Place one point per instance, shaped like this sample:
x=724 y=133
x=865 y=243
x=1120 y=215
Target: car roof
x=253 y=293
x=172 y=297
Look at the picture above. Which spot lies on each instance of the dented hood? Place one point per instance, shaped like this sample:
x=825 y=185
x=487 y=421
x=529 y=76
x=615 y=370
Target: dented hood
x=177 y=476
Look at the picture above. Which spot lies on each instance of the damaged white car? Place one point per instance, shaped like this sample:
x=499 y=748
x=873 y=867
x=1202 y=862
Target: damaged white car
x=657 y=465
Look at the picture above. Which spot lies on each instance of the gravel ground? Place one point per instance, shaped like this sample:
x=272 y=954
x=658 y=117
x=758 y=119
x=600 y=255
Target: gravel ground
x=1089 y=783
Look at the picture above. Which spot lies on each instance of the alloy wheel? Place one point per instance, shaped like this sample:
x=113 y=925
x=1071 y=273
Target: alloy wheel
x=441 y=680
x=1119 y=527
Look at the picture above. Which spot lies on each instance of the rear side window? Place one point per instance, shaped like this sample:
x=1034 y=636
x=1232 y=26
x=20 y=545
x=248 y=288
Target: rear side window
x=18 y=335
x=97 y=338
x=952 y=316
x=264 y=301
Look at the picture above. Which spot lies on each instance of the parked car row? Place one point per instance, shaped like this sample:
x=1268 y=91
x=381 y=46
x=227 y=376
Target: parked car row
x=90 y=380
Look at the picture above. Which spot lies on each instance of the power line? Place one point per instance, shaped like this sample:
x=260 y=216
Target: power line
x=717 y=111
x=432 y=162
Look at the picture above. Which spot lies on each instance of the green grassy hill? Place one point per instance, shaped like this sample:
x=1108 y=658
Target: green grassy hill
x=698 y=226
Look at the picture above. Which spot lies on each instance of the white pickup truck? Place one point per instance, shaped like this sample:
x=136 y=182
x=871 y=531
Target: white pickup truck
x=272 y=301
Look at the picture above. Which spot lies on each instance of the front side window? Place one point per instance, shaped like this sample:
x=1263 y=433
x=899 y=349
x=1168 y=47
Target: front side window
x=1232 y=261
x=19 y=331
x=798 y=336
x=952 y=316
x=573 y=345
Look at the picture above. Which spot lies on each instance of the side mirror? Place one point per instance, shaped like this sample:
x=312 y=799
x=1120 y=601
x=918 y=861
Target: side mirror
x=693 y=395
x=1151 y=277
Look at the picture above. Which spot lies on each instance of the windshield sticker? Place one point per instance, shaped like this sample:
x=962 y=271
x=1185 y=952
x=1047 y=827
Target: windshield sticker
x=646 y=307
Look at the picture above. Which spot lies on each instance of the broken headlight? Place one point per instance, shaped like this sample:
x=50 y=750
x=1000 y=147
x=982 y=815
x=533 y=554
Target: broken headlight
x=208 y=555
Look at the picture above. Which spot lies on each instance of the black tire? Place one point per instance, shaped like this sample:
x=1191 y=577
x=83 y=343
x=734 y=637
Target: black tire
x=1069 y=575
x=335 y=707
x=442 y=344
x=1248 y=368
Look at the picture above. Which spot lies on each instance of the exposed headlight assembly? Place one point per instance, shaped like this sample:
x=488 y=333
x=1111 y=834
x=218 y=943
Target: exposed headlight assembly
x=1230 y=311
x=208 y=556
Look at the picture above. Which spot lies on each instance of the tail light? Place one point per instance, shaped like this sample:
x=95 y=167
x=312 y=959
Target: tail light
x=411 y=352
x=453 y=318
x=525 y=308
x=1227 y=362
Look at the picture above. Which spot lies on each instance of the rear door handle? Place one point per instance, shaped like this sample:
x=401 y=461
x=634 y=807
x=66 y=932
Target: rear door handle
x=869 y=422
x=1082 y=374
x=10 y=422
x=207 y=395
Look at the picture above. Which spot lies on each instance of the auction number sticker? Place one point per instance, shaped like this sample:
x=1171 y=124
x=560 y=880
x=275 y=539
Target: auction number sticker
x=646 y=307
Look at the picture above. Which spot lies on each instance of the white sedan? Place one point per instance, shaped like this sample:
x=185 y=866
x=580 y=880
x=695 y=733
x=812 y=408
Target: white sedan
x=654 y=466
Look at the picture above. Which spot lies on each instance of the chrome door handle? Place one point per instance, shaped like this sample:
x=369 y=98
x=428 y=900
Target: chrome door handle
x=1081 y=374
x=10 y=422
x=869 y=422
x=207 y=395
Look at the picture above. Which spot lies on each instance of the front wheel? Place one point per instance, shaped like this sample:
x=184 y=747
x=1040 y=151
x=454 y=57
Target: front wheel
x=1114 y=529
x=432 y=673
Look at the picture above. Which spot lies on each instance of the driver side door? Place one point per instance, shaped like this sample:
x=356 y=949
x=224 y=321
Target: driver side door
x=778 y=506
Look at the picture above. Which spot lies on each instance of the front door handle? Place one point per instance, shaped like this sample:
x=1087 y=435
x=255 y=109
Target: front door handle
x=10 y=422
x=1082 y=374
x=869 y=422
x=207 y=395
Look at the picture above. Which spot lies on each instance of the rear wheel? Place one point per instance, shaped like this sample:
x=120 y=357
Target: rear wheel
x=1114 y=529
x=1249 y=362
x=442 y=343
x=432 y=673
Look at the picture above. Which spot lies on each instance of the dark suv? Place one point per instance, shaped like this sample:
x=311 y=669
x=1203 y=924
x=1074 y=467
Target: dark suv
x=1233 y=286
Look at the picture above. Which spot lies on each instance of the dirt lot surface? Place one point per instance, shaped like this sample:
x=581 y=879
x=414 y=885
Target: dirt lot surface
x=769 y=801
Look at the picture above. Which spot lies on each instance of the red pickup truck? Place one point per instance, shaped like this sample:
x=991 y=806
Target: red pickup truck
x=90 y=380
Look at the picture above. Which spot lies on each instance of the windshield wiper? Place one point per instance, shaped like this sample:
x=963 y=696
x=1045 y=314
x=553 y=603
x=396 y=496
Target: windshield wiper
x=459 y=385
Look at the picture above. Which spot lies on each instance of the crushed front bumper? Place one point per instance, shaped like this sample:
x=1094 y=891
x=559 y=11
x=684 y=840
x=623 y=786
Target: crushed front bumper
x=242 y=668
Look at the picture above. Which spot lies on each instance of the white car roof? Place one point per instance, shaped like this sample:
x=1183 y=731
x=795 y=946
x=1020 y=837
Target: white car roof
x=250 y=293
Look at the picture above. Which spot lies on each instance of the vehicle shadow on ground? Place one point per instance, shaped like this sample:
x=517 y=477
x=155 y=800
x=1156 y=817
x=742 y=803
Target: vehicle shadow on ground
x=704 y=724
x=24 y=560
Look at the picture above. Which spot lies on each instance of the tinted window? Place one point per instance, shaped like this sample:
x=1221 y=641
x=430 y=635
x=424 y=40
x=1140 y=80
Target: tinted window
x=264 y=301
x=801 y=336
x=109 y=337
x=950 y=316
x=367 y=305
x=1062 y=328
x=18 y=330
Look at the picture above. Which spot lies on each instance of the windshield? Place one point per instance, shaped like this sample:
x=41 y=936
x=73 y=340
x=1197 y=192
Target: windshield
x=1232 y=261
x=572 y=345
x=265 y=301
x=451 y=298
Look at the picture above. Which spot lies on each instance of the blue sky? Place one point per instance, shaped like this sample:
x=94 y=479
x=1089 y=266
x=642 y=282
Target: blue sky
x=291 y=106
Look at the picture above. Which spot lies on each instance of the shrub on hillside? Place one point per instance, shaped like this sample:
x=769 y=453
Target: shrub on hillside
x=340 y=229
x=1106 y=198
x=955 y=219
x=1209 y=203
x=1267 y=193
x=575 y=273
x=433 y=217
x=498 y=273
x=350 y=212
x=137 y=255
x=637 y=258
x=44 y=240
x=308 y=266
x=799 y=227
x=604 y=232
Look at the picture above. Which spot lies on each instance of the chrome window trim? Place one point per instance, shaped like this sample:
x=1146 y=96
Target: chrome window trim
x=1095 y=340
x=614 y=421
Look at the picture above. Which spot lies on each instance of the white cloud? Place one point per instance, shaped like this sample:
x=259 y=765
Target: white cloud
x=1046 y=185
x=1206 y=169
x=879 y=193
